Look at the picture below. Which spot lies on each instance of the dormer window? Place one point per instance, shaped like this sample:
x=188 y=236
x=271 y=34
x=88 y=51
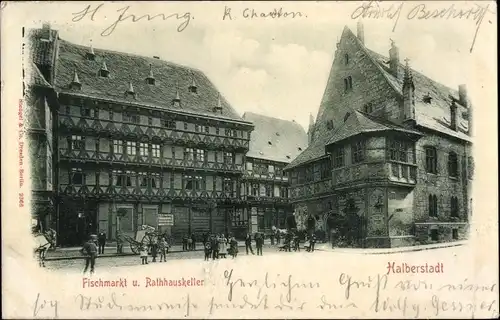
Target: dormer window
x=346 y=59
x=288 y=157
x=346 y=116
x=91 y=54
x=75 y=84
x=270 y=143
x=150 y=79
x=427 y=98
x=130 y=91
x=299 y=148
x=104 y=72
x=329 y=124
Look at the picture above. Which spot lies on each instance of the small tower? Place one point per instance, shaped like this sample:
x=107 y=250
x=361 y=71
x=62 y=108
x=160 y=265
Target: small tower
x=218 y=108
x=130 y=91
x=408 y=93
x=193 y=87
x=47 y=33
x=176 y=102
x=75 y=83
x=104 y=72
x=453 y=116
x=150 y=78
x=91 y=54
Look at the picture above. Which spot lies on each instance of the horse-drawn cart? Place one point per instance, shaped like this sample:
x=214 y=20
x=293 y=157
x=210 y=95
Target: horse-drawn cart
x=146 y=236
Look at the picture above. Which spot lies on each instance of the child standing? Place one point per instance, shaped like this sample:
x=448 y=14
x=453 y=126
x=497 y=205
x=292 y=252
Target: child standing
x=208 y=250
x=144 y=255
x=163 y=250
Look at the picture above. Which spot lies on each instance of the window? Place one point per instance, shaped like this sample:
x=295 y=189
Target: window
x=453 y=164
x=143 y=179
x=86 y=112
x=155 y=180
x=117 y=146
x=199 y=183
x=431 y=160
x=217 y=131
x=434 y=235
x=325 y=170
x=131 y=148
x=118 y=178
x=346 y=59
x=143 y=149
x=338 y=157
x=227 y=132
x=454 y=207
x=270 y=168
x=197 y=128
x=188 y=183
x=129 y=177
x=279 y=171
x=185 y=126
x=189 y=154
x=200 y=155
x=249 y=166
x=104 y=73
x=454 y=234
x=168 y=123
x=398 y=151
x=269 y=190
x=77 y=142
x=127 y=117
x=228 y=157
x=255 y=189
x=433 y=205
x=283 y=192
x=358 y=152
x=207 y=129
x=228 y=185
x=368 y=108
x=76 y=176
x=155 y=150
x=150 y=121
x=348 y=83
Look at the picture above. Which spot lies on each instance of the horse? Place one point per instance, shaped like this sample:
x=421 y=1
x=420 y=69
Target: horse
x=45 y=241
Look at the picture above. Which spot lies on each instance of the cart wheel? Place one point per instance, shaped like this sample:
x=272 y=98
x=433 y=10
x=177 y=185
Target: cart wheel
x=135 y=247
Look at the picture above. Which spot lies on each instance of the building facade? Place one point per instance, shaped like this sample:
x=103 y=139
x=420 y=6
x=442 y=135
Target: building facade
x=274 y=144
x=389 y=162
x=138 y=141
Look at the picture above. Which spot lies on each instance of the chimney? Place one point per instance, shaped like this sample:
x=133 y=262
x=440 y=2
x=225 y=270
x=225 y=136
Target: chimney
x=394 y=59
x=462 y=95
x=361 y=32
x=47 y=34
x=453 y=116
x=311 y=128
x=408 y=93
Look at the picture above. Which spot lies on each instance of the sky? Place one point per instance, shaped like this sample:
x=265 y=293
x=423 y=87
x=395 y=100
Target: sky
x=279 y=67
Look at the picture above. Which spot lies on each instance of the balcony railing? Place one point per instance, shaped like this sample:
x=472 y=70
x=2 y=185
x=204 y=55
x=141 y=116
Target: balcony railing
x=311 y=189
x=120 y=129
x=266 y=176
x=99 y=156
x=265 y=199
x=137 y=193
x=391 y=172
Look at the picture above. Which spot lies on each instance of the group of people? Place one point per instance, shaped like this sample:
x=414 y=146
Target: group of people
x=159 y=246
x=189 y=243
x=218 y=246
x=259 y=243
x=292 y=241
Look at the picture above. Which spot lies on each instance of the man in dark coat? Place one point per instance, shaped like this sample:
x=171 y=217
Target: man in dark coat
x=259 y=242
x=248 y=243
x=89 y=250
x=101 y=240
x=215 y=247
x=193 y=243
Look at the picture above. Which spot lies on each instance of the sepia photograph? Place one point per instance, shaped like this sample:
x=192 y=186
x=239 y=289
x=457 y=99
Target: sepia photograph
x=170 y=146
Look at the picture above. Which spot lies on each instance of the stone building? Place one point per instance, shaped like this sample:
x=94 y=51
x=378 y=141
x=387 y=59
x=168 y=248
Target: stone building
x=389 y=162
x=136 y=140
x=274 y=144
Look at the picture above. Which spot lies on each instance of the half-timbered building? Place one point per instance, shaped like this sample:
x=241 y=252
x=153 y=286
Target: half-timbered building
x=274 y=144
x=389 y=163
x=141 y=140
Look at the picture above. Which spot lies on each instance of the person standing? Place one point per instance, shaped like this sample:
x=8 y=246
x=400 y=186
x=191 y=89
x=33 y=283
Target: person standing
x=278 y=237
x=193 y=242
x=163 y=250
x=119 y=242
x=154 y=250
x=144 y=254
x=185 y=243
x=208 y=250
x=259 y=241
x=248 y=243
x=101 y=239
x=89 y=249
x=272 y=238
x=233 y=246
x=313 y=242
x=215 y=247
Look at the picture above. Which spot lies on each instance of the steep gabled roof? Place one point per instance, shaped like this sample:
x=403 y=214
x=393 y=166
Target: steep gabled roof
x=125 y=69
x=36 y=78
x=436 y=115
x=274 y=139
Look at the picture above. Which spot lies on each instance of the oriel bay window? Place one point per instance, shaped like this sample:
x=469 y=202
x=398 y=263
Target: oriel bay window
x=117 y=146
x=358 y=151
x=398 y=150
x=155 y=150
x=131 y=148
x=325 y=170
x=76 y=176
x=143 y=149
